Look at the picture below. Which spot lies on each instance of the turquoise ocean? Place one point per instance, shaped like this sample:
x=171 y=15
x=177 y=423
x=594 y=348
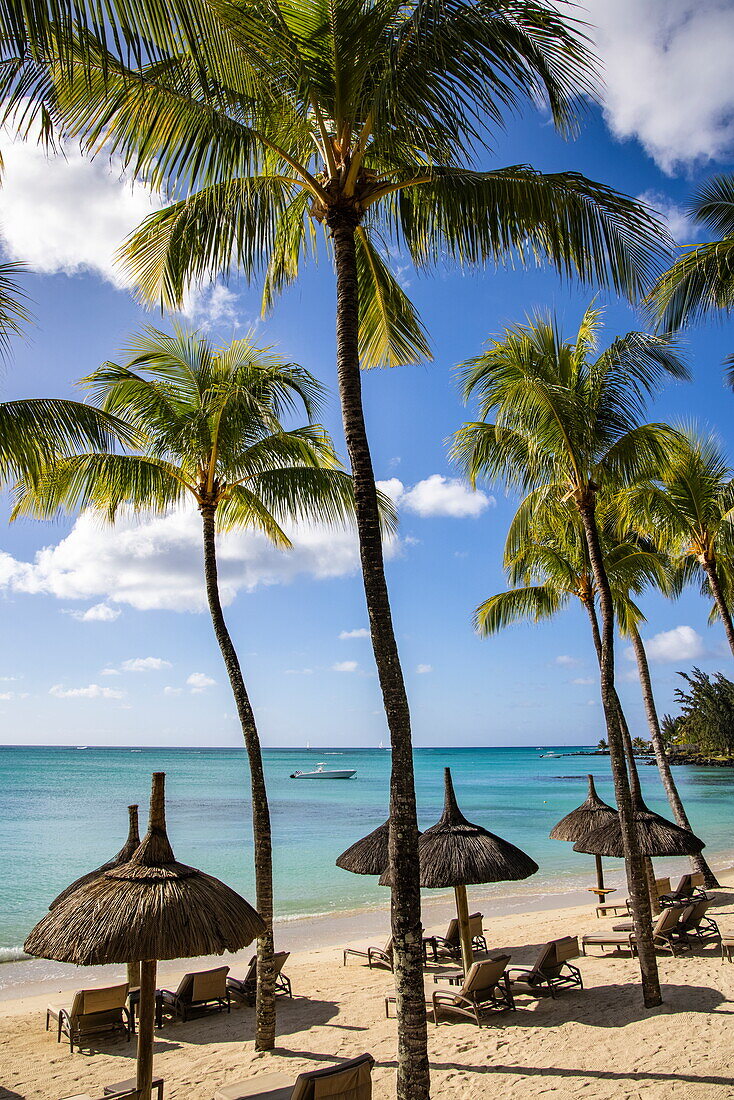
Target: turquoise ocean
x=63 y=812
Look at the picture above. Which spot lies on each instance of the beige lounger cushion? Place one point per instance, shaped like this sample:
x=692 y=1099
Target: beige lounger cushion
x=270 y=1086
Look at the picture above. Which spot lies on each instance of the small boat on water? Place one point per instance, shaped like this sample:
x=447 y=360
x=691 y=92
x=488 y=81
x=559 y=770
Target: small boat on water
x=322 y=773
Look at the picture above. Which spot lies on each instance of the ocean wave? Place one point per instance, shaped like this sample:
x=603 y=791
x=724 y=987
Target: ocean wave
x=12 y=954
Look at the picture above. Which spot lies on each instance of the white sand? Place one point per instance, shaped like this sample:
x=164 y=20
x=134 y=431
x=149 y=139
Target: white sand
x=596 y=1043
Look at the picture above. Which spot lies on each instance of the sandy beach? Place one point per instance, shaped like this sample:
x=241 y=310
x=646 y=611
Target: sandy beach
x=598 y=1042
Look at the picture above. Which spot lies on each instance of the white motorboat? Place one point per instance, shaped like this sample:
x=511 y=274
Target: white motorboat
x=322 y=773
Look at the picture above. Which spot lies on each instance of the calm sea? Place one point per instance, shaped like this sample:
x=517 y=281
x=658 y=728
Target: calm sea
x=63 y=812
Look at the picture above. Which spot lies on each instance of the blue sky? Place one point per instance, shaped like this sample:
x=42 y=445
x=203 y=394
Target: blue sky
x=105 y=639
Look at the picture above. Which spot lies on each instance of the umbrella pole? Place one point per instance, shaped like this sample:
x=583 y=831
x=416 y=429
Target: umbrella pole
x=462 y=912
x=599 y=874
x=146 y=1022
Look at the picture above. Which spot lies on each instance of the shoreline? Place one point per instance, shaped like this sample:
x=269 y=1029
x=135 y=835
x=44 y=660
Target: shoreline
x=29 y=978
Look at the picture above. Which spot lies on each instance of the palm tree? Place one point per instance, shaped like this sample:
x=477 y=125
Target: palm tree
x=550 y=569
x=34 y=430
x=701 y=281
x=210 y=418
x=362 y=117
x=690 y=512
x=568 y=428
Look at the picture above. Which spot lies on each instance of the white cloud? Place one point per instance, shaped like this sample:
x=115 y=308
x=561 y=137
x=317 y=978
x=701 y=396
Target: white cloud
x=680 y=226
x=680 y=644
x=66 y=213
x=299 y=672
x=145 y=664
x=156 y=563
x=172 y=691
x=585 y=681
x=93 y=691
x=668 y=75
x=565 y=661
x=6 y=695
x=211 y=305
x=439 y=496
x=199 y=681
x=346 y=635
x=98 y=613
x=345 y=666
x=421 y=669
x=110 y=672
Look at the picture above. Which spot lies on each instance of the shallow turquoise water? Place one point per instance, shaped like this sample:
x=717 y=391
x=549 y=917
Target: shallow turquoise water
x=63 y=812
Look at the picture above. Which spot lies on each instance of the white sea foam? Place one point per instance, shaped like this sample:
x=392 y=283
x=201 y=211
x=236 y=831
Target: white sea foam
x=12 y=954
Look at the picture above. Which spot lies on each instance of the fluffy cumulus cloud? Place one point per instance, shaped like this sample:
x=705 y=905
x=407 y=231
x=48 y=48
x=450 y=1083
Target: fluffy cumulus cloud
x=198 y=682
x=92 y=691
x=65 y=213
x=348 y=635
x=680 y=644
x=145 y=664
x=565 y=661
x=668 y=75
x=345 y=666
x=680 y=226
x=423 y=669
x=439 y=496
x=98 y=613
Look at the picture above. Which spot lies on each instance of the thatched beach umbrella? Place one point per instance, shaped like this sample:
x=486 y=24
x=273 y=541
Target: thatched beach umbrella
x=590 y=815
x=656 y=837
x=150 y=908
x=454 y=852
x=368 y=856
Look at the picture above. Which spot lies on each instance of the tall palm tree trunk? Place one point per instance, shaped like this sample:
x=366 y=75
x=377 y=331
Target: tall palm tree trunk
x=636 y=875
x=262 y=841
x=413 y=1081
x=634 y=775
x=698 y=863
x=716 y=591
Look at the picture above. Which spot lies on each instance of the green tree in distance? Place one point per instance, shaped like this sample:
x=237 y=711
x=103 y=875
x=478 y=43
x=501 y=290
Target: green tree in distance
x=568 y=427
x=210 y=421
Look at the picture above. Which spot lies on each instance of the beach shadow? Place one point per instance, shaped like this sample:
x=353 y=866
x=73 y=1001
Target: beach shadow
x=592 y=1006
x=595 y=1074
x=8 y=1094
x=238 y=1026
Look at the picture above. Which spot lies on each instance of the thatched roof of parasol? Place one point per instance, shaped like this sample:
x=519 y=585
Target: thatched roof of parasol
x=128 y=849
x=656 y=835
x=367 y=856
x=590 y=815
x=454 y=852
x=151 y=907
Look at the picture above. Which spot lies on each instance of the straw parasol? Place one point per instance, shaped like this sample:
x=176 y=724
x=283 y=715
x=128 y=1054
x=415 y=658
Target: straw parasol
x=368 y=856
x=150 y=908
x=129 y=847
x=455 y=852
x=656 y=836
x=590 y=815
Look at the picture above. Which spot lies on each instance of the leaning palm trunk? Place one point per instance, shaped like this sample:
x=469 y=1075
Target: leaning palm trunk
x=413 y=1071
x=265 y=991
x=634 y=778
x=712 y=576
x=636 y=873
x=698 y=862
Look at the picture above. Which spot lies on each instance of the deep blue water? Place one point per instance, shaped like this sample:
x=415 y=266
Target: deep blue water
x=63 y=812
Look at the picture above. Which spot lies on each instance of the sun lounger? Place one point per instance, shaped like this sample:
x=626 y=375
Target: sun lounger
x=243 y=989
x=694 y=924
x=375 y=956
x=552 y=969
x=484 y=991
x=449 y=946
x=92 y=1013
x=689 y=888
x=662 y=935
x=662 y=889
x=131 y=1095
x=350 y=1080
x=198 y=992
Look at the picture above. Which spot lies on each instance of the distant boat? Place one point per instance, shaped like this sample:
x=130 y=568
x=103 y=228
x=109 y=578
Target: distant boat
x=380 y=746
x=82 y=746
x=544 y=754
x=321 y=773
x=308 y=746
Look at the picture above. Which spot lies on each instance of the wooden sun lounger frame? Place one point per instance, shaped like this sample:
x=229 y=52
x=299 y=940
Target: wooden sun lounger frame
x=79 y=1025
x=450 y=944
x=244 y=989
x=174 y=1005
x=662 y=935
x=552 y=969
x=375 y=956
x=478 y=1002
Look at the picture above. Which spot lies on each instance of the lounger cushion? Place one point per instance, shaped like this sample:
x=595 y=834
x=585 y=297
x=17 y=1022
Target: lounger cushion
x=610 y=937
x=269 y=1086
